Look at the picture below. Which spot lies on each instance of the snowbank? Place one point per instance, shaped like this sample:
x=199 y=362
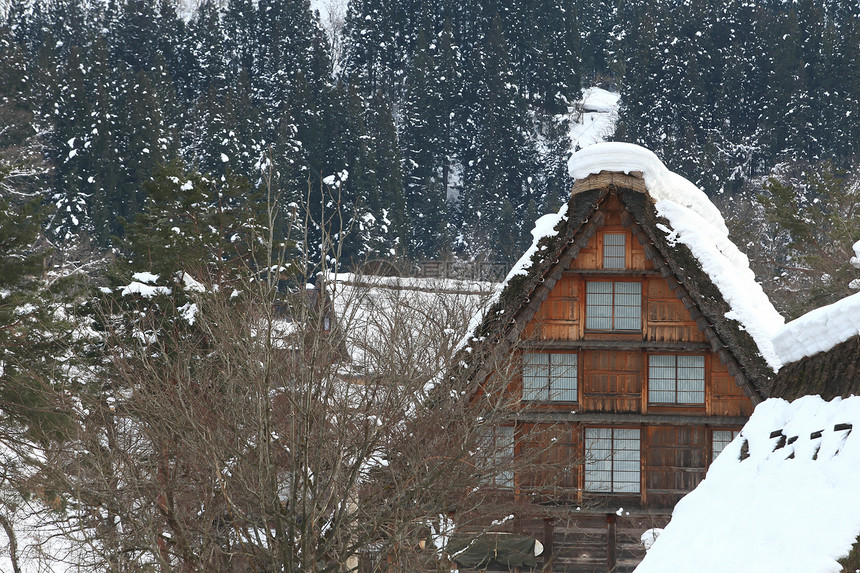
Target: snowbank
x=790 y=507
x=695 y=222
x=819 y=330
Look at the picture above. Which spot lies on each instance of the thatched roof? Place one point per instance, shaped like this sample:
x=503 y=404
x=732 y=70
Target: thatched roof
x=833 y=373
x=524 y=293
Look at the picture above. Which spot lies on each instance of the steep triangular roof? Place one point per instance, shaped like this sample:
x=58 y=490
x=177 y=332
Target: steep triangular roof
x=684 y=236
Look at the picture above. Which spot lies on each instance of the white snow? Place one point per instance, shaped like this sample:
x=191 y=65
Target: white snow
x=144 y=290
x=695 y=222
x=855 y=260
x=789 y=509
x=598 y=114
x=662 y=184
x=145 y=277
x=819 y=330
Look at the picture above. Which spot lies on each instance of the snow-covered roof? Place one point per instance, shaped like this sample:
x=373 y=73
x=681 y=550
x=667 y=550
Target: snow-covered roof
x=692 y=221
x=401 y=326
x=782 y=497
x=697 y=223
x=818 y=330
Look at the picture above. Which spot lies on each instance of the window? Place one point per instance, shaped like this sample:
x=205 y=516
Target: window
x=614 y=247
x=498 y=446
x=676 y=379
x=612 y=460
x=613 y=305
x=549 y=377
x=720 y=439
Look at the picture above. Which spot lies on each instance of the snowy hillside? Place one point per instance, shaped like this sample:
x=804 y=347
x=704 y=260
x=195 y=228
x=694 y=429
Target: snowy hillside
x=594 y=117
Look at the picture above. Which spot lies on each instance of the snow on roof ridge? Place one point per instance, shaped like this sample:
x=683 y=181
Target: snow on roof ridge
x=818 y=330
x=697 y=223
x=661 y=183
x=788 y=504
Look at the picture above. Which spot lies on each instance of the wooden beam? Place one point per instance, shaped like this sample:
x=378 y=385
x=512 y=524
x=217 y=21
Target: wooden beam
x=615 y=345
x=611 y=272
x=631 y=419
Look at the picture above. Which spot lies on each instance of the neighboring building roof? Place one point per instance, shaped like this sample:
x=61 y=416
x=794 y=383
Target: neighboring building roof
x=401 y=326
x=781 y=497
x=684 y=234
x=820 y=352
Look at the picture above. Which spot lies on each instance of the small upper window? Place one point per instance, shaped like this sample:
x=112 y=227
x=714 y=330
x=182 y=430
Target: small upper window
x=613 y=305
x=614 y=248
x=676 y=379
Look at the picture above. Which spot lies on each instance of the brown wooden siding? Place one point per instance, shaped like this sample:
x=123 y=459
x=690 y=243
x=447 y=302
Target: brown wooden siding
x=726 y=397
x=611 y=381
x=676 y=458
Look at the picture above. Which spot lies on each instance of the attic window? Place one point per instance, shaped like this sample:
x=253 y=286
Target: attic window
x=614 y=249
x=611 y=305
x=549 y=377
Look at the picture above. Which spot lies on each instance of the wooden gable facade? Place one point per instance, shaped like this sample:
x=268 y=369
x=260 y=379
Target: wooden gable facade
x=631 y=379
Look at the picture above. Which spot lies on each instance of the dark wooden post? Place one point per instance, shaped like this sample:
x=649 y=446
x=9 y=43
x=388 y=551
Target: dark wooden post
x=610 y=542
x=548 y=534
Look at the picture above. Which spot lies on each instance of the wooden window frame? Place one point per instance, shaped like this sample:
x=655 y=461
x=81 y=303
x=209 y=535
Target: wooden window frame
x=614 y=483
x=588 y=310
x=674 y=390
x=553 y=394
x=500 y=454
x=734 y=433
x=603 y=254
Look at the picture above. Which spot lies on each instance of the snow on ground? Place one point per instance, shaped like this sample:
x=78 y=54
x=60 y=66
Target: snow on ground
x=790 y=507
x=697 y=223
x=597 y=118
x=819 y=330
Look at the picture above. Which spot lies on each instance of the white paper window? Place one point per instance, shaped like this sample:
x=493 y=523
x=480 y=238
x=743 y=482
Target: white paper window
x=720 y=439
x=614 y=247
x=549 y=377
x=612 y=460
x=676 y=379
x=613 y=305
x=498 y=449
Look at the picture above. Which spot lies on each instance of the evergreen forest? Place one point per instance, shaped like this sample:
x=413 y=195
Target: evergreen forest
x=413 y=129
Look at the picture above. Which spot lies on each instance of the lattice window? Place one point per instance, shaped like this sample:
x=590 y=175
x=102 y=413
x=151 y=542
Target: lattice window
x=497 y=445
x=676 y=379
x=612 y=460
x=720 y=439
x=614 y=250
x=613 y=305
x=549 y=377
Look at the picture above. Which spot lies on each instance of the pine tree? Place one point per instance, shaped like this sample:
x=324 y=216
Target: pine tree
x=499 y=174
